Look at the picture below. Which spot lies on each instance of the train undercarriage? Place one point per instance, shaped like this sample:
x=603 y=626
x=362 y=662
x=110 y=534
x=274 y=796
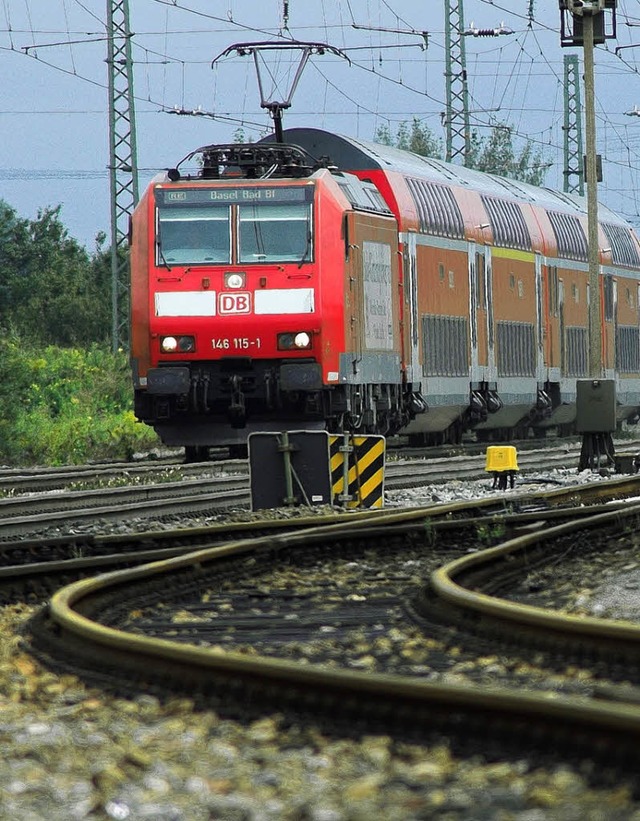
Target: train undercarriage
x=220 y=404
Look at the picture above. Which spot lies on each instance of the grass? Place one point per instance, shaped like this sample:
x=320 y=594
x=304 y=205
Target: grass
x=67 y=406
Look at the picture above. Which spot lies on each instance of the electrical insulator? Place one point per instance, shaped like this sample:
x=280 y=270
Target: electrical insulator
x=582 y=7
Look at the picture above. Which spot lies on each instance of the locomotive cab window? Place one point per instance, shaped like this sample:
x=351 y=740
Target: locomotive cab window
x=274 y=233
x=194 y=235
x=269 y=224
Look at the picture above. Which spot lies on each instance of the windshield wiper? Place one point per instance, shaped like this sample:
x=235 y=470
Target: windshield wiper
x=307 y=248
x=161 y=255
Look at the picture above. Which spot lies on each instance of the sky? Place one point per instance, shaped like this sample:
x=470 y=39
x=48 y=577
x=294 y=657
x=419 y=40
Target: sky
x=54 y=143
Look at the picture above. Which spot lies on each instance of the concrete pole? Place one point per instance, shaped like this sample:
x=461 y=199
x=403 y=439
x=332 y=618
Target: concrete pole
x=595 y=319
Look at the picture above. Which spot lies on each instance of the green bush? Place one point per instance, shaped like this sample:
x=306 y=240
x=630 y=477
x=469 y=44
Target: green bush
x=66 y=406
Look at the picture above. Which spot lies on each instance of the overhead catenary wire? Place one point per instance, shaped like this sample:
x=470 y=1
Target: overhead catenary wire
x=378 y=28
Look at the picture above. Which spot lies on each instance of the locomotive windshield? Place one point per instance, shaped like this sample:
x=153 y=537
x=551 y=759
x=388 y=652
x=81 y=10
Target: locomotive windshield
x=196 y=225
x=195 y=235
x=273 y=233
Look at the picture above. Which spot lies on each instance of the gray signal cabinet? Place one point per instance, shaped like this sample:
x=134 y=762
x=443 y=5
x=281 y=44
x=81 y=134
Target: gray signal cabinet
x=289 y=468
x=596 y=405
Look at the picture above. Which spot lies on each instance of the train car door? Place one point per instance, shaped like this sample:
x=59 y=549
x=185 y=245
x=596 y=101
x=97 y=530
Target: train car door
x=473 y=313
x=609 y=335
x=540 y=364
x=372 y=309
x=553 y=341
x=412 y=321
x=353 y=288
x=563 y=342
x=479 y=303
x=492 y=371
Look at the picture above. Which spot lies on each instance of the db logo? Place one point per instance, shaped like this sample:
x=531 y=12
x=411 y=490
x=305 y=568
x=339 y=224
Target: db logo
x=234 y=303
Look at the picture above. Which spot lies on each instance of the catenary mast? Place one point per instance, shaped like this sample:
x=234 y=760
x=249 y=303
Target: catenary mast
x=458 y=130
x=123 y=166
x=573 y=146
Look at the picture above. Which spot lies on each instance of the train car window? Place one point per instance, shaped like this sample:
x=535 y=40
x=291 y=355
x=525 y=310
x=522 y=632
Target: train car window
x=194 y=235
x=623 y=248
x=507 y=222
x=444 y=340
x=608 y=289
x=516 y=349
x=553 y=290
x=627 y=349
x=576 y=351
x=363 y=195
x=570 y=236
x=437 y=209
x=481 y=295
x=274 y=233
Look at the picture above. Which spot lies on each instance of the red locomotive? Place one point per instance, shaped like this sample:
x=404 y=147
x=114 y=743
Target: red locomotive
x=331 y=283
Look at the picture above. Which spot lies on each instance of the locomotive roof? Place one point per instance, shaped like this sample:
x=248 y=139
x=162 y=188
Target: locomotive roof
x=351 y=154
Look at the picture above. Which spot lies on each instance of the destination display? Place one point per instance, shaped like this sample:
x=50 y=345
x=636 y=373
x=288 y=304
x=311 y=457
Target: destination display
x=226 y=196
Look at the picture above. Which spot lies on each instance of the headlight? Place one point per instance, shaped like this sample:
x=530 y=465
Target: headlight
x=177 y=344
x=235 y=279
x=294 y=341
x=302 y=340
x=169 y=344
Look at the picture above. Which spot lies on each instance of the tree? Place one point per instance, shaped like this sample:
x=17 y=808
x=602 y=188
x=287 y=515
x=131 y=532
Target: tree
x=14 y=252
x=495 y=154
x=52 y=291
x=239 y=136
x=417 y=138
x=383 y=135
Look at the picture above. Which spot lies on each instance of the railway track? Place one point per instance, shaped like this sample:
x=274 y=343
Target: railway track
x=107 y=618
x=484 y=594
x=42 y=500
x=531 y=454
x=33 y=567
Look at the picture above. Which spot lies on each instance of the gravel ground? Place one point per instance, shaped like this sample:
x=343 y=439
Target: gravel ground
x=71 y=752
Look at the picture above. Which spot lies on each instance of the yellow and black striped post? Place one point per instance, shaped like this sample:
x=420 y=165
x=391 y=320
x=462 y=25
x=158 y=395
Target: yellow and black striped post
x=357 y=470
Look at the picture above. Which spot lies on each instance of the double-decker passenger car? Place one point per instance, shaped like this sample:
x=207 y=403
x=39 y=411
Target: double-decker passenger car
x=328 y=282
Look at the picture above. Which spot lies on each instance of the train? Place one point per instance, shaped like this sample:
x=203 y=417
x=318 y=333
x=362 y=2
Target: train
x=326 y=282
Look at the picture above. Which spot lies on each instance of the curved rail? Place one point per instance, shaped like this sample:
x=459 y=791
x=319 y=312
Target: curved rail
x=198 y=664
x=73 y=611
x=453 y=582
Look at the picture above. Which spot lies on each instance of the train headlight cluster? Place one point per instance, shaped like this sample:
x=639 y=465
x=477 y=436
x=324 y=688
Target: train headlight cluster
x=177 y=344
x=235 y=279
x=294 y=341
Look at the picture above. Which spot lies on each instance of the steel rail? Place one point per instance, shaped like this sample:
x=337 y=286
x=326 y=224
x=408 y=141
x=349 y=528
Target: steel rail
x=70 y=609
x=149 y=545
x=135 y=549
x=161 y=507
x=423 y=463
x=142 y=497
x=448 y=582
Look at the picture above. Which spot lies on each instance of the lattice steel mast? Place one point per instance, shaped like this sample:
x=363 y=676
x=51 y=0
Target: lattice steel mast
x=458 y=131
x=573 y=146
x=123 y=165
